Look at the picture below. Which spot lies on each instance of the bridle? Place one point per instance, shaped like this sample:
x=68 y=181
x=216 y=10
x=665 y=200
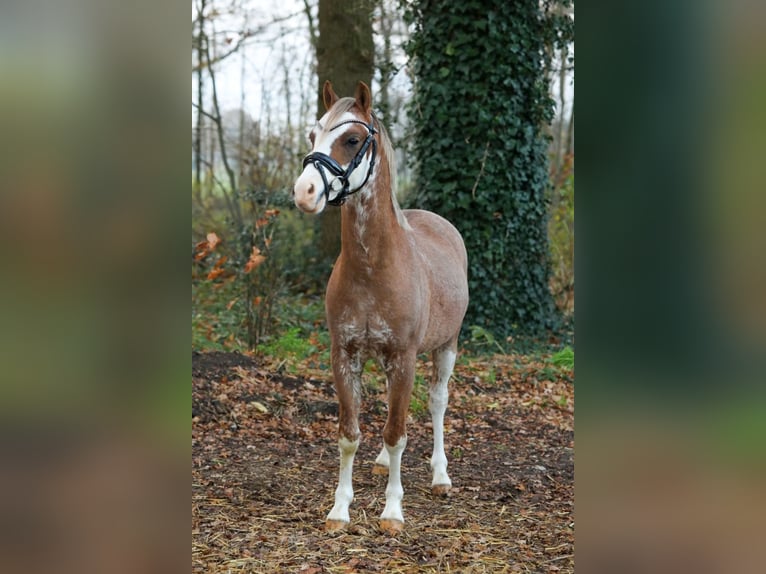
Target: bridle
x=323 y=161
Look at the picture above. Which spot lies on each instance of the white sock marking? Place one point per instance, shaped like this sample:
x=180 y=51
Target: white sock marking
x=394 y=490
x=437 y=404
x=344 y=494
x=382 y=459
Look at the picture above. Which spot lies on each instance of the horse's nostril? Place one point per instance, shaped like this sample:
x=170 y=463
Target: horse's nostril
x=311 y=189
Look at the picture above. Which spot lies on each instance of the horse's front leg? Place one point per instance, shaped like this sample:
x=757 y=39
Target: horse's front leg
x=400 y=370
x=347 y=370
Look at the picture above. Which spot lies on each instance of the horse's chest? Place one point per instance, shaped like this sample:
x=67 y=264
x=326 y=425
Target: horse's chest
x=371 y=333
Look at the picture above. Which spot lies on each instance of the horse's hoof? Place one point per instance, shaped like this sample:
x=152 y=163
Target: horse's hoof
x=390 y=526
x=334 y=525
x=441 y=489
x=380 y=469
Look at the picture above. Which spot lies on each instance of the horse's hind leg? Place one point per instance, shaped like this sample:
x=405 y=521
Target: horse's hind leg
x=347 y=372
x=382 y=461
x=444 y=362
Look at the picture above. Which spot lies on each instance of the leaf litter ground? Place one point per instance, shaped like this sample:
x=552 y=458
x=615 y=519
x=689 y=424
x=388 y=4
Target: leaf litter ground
x=265 y=464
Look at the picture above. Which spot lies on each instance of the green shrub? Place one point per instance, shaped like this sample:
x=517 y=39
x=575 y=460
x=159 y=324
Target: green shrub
x=289 y=345
x=419 y=398
x=564 y=358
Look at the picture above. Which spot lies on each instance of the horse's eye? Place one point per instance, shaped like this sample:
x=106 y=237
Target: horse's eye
x=353 y=140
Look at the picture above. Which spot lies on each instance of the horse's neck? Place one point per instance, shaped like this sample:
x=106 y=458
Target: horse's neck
x=371 y=233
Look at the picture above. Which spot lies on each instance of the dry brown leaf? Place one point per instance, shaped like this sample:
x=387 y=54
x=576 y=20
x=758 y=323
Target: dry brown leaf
x=256 y=258
x=212 y=240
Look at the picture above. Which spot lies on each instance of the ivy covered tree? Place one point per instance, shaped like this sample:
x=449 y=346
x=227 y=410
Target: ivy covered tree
x=480 y=105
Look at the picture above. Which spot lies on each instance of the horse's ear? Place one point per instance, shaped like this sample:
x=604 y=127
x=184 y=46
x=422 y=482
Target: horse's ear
x=363 y=97
x=328 y=95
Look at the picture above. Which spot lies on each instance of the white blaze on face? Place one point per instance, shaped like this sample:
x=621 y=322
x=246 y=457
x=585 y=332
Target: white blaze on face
x=309 y=187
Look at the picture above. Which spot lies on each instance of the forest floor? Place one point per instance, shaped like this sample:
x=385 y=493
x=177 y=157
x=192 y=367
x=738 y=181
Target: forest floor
x=265 y=466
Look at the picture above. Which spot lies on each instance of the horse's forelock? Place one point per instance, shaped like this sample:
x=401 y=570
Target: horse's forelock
x=342 y=106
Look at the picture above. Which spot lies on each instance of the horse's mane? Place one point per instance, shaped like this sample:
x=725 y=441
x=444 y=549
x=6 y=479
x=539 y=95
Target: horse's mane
x=344 y=105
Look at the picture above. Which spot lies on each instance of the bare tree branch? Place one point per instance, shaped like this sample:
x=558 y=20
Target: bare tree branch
x=199 y=109
x=313 y=35
x=236 y=211
x=200 y=21
x=245 y=37
x=481 y=171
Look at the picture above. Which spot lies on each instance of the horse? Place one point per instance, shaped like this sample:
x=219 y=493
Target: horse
x=398 y=288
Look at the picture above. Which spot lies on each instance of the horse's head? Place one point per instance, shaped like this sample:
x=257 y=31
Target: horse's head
x=343 y=150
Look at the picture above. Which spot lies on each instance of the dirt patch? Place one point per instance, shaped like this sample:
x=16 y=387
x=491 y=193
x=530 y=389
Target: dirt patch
x=265 y=467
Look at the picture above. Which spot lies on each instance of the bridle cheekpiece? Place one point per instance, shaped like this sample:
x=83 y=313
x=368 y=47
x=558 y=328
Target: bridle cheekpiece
x=322 y=161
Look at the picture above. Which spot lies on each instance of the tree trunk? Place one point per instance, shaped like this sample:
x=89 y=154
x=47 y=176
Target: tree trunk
x=345 y=55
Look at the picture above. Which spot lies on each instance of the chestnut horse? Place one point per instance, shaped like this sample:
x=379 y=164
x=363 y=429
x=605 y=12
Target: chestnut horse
x=398 y=288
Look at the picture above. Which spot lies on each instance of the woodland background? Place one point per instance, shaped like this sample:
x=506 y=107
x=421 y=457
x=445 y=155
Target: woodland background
x=478 y=97
x=504 y=175
x=671 y=314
